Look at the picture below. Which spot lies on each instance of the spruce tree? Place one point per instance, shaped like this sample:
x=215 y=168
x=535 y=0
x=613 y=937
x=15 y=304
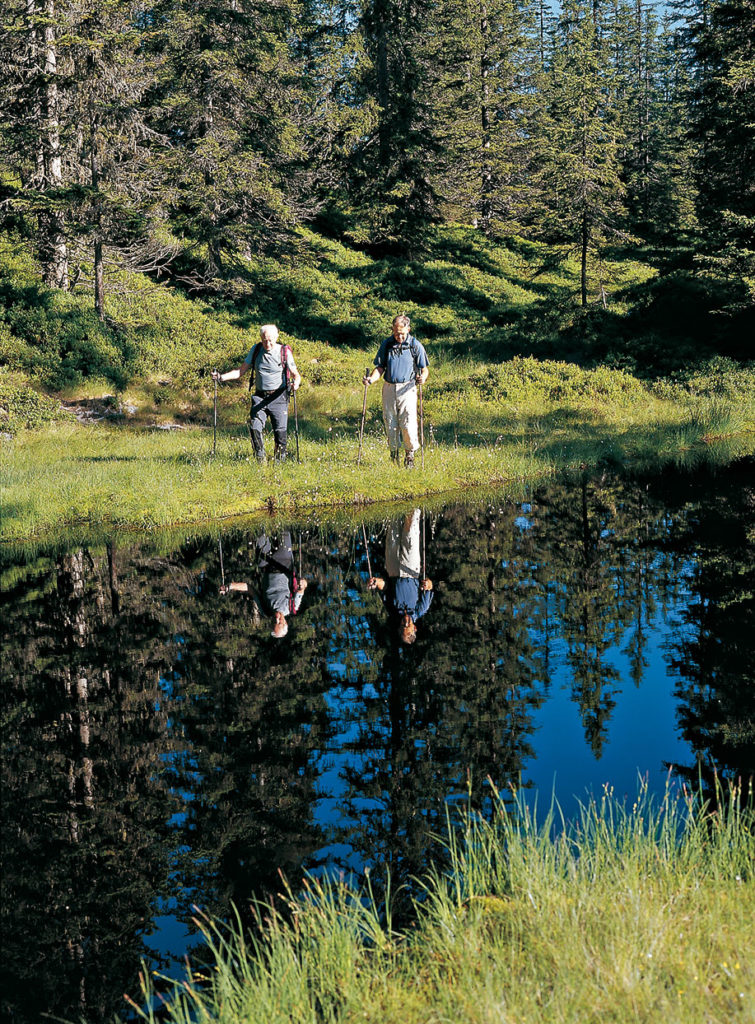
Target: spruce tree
x=392 y=167
x=32 y=128
x=723 y=126
x=486 y=101
x=581 y=143
x=228 y=101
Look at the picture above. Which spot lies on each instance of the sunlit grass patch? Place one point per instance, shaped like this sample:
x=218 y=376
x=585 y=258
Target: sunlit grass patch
x=633 y=912
x=131 y=473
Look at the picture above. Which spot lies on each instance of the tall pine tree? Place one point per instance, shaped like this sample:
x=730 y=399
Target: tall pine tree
x=581 y=146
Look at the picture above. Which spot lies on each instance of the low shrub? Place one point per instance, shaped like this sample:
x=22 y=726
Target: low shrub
x=23 y=407
x=718 y=377
x=555 y=382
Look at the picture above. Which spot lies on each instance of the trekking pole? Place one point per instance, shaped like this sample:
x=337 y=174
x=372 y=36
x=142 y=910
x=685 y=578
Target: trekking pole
x=367 y=551
x=364 y=413
x=215 y=417
x=296 y=426
x=421 y=425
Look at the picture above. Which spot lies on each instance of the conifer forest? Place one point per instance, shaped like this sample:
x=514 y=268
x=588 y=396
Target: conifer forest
x=179 y=137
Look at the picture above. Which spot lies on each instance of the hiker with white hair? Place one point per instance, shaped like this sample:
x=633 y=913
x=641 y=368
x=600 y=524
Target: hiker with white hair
x=280 y=591
x=275 y=378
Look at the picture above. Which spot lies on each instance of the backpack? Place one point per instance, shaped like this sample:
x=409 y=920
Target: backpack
x=293 y=582
x=285 y=353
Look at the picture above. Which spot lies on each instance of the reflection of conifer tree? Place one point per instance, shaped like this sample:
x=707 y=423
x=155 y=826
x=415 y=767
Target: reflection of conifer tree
x=252 y=711
x=600 y=541
x=583 y=531
x=455 y=706
x=714 y=652
x=83 y=802
x=488 y=630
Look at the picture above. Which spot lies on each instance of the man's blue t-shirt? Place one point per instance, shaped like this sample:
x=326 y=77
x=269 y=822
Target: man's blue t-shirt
x=401 y=362
x=403 y=595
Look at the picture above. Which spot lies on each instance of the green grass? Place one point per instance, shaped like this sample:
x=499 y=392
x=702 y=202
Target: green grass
x=521 y=420
x=635 y=913
x=494 y=412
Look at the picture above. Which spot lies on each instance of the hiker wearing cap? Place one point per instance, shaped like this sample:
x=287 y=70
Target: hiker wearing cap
x=406 y=593
x=402 y=363
x=280 y=592
x=275 y=375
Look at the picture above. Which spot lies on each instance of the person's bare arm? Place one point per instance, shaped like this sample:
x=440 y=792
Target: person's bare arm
x=231 y=374
x=242 y=588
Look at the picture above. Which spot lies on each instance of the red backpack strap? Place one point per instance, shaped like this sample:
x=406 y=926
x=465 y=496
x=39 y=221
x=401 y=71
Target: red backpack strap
x=285 y=353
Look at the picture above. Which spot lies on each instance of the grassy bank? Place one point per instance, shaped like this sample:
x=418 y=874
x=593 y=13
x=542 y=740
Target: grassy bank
x=522 y=420
x=634 y=913
x=496 y=410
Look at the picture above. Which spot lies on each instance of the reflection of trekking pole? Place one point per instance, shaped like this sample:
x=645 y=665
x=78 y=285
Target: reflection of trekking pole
x=222 y=567
x=364 y=413
x=421 y=424
x=296 y=426
x=299 y=554
x=215 y=417
x=367 y=551
x=424 y=560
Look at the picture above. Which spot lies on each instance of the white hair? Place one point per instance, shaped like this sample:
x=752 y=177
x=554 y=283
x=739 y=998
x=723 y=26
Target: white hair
x=402 y=319
x=269 y=332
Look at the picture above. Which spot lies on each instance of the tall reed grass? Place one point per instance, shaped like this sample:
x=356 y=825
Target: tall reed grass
x=635 y=911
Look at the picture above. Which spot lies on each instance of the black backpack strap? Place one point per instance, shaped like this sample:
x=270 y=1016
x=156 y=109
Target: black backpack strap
x=255 y=355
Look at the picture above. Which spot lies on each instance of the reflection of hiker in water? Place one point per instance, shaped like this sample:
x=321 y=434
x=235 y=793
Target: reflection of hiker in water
x=406 y=594
x=280 y=591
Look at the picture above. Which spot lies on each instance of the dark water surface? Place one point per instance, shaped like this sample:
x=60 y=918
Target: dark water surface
x=161 y=748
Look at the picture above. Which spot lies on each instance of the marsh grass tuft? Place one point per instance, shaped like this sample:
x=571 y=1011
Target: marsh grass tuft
x=636 y=911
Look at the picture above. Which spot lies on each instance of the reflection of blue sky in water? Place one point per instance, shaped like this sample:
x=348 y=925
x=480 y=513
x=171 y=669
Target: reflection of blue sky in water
x=642 y=735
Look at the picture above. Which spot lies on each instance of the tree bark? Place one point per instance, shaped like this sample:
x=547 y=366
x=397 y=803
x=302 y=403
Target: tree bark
x=585 y=232
x=486 y=204
x=53 y=245
x=99 y=270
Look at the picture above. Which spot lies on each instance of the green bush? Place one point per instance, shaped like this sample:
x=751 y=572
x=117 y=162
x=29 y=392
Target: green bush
x=21 y=406
x=556 y=382
x=719 y=377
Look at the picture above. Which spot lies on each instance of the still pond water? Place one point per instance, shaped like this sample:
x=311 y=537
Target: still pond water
x=161 y=748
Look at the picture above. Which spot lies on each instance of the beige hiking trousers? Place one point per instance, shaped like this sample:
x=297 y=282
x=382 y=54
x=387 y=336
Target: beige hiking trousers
x=400 y=414
x=402 y=555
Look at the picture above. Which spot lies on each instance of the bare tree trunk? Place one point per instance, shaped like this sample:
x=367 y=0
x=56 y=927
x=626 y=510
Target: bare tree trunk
x=585 y=232
x=33 y=74
x=487 y=174
x=53 y=247
x=99 y=272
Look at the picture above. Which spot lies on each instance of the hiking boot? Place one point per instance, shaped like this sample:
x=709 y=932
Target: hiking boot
x=280 y=455
x=394 y=457
x=409 y=460
x=258 y=445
